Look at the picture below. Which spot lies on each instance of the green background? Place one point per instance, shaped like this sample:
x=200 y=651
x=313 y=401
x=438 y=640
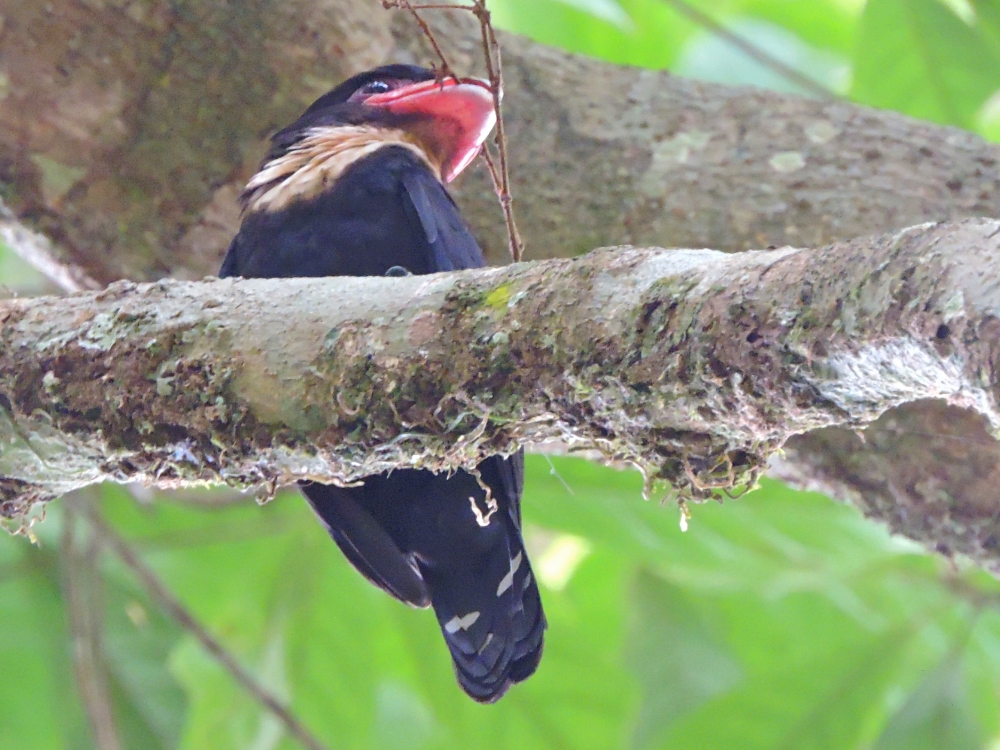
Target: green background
x=780 y=620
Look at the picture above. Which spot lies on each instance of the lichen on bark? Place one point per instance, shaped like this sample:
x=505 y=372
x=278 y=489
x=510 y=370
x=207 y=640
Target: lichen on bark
x=694 y=365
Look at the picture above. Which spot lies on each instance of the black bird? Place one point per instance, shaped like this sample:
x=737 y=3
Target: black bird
x=354 y=187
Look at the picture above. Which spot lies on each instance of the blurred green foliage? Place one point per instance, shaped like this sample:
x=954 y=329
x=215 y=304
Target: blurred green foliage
x=778 y=620
x=781 y=620
x=17 y=277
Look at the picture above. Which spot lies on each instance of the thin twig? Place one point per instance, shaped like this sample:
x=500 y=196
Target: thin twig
x=497 y=181
x=752 y=51
x=491 y=168
x=83 y=609
x=494 y=69
x=446 y=69
x=162 y=595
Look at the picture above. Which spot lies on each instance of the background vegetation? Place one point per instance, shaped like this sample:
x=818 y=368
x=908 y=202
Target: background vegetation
x=781 y=620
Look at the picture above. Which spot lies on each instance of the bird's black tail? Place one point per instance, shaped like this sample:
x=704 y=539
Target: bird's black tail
x=491 y=618
x=437 y=539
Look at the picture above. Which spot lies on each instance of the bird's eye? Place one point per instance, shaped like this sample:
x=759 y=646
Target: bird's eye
x=372 y=88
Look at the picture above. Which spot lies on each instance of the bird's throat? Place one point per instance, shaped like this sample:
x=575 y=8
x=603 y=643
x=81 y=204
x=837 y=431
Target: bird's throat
x=312 y=166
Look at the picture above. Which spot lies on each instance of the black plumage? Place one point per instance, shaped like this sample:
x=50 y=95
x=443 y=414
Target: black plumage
x=319 y=207
x=386 y=210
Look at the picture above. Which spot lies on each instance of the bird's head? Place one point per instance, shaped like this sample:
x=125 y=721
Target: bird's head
x=444 y=122
x=449 y=119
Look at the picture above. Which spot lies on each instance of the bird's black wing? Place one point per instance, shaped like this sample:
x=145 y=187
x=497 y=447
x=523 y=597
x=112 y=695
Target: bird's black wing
x=470 y=554
x=482 y=587
x=452 y=246
x=229 y=263
x=510 y=473
x=366 y=544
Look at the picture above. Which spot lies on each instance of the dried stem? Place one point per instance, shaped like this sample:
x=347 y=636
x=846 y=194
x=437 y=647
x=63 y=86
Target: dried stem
x=159 y=593
x=752 y=51
x=494 y=71
x=84 y=612
x=446 y=70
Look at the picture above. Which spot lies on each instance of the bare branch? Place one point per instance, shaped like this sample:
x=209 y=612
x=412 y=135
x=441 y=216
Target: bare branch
x=84 y=604
x=751 y=50
x=159 y=593
x=445 y=70
x=38 y=250
x=494 y=70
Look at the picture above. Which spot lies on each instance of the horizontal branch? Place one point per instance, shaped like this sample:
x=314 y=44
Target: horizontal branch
x=120 y=157
x=693 y=364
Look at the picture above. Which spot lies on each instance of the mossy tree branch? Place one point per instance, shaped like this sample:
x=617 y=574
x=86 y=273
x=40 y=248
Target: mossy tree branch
x=126 y=135
x=693 y=364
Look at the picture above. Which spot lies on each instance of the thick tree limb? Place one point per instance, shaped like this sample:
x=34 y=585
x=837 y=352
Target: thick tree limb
x=126 y=134
x=127 y=130
x=695 y=365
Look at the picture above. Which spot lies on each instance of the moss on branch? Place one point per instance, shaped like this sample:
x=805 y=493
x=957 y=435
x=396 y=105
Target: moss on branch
x=694 y=365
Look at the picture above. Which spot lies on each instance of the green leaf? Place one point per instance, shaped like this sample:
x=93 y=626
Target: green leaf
x=647 y=33
x=350 y=660
x=38 y=704
x=713 y=58
x=678 y=657
x=822 y=24
x=605 y=10
x=936 y=715
x=781 y=620
x=809 y=622
x=352 y=649
x=918 y=57
x=150 y=705
x=651 y=33
x=773 y=540
x=987 y=13
x=402 y=719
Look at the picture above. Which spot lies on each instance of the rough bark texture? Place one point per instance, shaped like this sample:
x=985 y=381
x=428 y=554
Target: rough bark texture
x=944 y=494
x=127 y=130
x=694 y=364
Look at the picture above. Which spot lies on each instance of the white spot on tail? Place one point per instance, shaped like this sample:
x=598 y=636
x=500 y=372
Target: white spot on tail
x=457 y=623
x=508 y=580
